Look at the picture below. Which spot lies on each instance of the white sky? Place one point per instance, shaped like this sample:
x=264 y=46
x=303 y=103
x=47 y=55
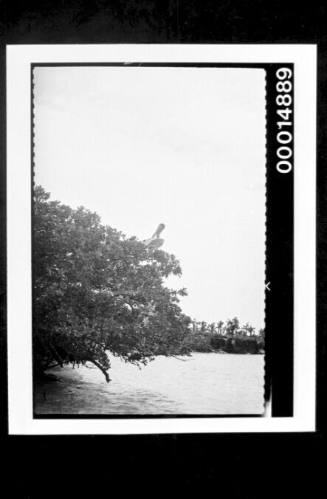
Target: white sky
x=181 y=146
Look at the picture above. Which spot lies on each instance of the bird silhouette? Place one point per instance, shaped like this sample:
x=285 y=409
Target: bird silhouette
x=158 y=231
x=155 y=241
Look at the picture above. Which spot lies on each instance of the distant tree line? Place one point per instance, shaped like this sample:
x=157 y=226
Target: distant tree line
x=226 y=336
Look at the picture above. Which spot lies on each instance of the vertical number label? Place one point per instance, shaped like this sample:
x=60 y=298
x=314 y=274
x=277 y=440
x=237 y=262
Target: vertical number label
x=284 y=103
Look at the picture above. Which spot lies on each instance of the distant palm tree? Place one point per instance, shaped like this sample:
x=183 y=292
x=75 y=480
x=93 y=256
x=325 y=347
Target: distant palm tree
x=219 y=326
x=247 y=328
x=212 y=328
x=251 y=330
x=203 y=326
x=232 y=325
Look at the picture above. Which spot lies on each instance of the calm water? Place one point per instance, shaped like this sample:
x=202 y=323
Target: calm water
x=205 y=383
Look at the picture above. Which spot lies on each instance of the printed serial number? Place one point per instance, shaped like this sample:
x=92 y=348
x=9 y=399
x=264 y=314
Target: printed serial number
x=284 y=136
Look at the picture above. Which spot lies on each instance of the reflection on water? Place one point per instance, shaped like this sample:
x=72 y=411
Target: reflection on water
x=205 y=383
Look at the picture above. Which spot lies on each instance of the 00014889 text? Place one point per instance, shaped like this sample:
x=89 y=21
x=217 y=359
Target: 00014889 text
x=284 y=88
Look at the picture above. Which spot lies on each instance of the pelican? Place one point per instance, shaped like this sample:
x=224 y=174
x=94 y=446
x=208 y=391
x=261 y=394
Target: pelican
x=154 y=241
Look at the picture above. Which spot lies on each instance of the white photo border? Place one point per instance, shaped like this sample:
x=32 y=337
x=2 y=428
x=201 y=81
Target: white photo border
x=20 y=396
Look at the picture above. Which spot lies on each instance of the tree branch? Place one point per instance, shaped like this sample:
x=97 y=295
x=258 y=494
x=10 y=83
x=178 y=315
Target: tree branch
x=106 y=375
x=177 y=358
x=56 y=354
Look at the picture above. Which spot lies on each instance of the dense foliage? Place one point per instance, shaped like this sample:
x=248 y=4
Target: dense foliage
x=96 y=291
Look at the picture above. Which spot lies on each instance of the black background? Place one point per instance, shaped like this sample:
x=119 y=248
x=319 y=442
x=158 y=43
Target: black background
x=244 y=466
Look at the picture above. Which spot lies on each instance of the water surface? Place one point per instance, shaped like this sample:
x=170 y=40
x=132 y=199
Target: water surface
x=205 y=383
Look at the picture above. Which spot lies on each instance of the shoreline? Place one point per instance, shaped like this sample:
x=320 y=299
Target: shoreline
x=204 y=386
x=48 y=377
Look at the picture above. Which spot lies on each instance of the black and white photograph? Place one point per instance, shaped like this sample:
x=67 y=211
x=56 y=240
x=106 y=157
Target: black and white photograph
x=148 y=240
x=159 y=250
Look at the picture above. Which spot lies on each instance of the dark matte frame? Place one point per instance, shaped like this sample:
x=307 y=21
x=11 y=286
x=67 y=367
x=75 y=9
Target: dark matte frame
x=239 y=465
